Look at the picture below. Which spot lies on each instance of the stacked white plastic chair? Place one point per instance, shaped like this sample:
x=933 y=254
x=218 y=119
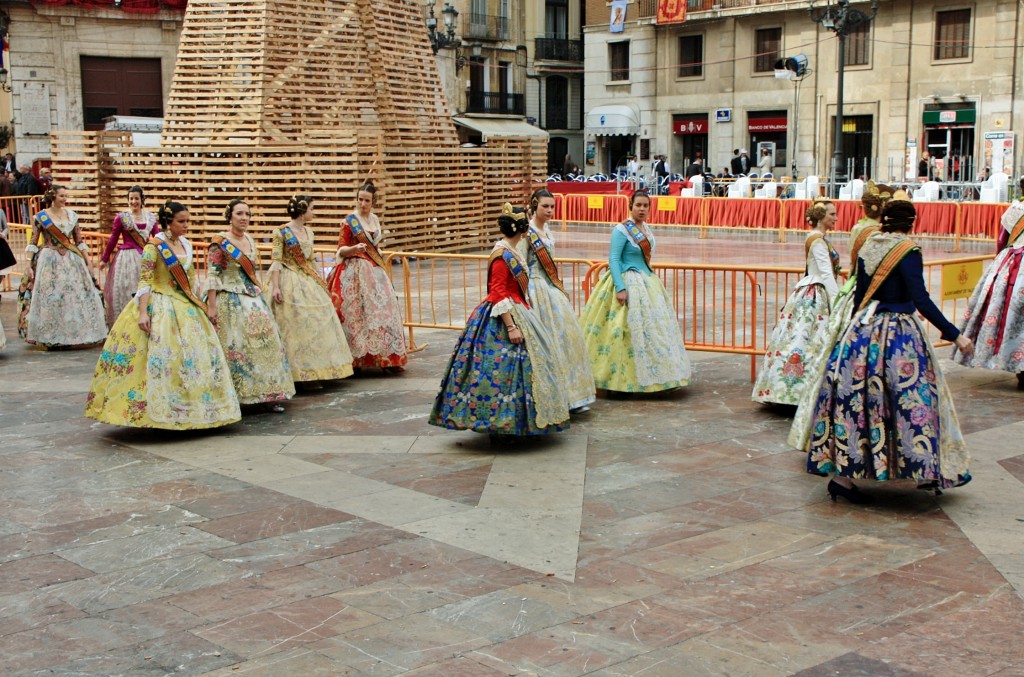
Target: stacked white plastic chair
x=740 y=187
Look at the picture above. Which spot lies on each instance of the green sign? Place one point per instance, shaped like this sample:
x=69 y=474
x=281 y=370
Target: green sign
x=946 y=117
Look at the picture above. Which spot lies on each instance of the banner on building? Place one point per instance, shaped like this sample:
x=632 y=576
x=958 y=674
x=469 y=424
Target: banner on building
x=618 y=21
x=671 y=11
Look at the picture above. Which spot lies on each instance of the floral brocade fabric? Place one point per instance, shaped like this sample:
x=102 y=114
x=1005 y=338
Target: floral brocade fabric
x=488 y=385
x=368 y=308
x=248 y=332
x=883 y=411
x=635 y=347
x=313 y=338
x=176 y=377
x=787 y=361
x=570 y=361
x=63 y=306
x=994 y=318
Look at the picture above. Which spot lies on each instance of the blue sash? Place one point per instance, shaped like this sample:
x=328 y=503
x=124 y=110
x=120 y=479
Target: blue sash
x=177 y=272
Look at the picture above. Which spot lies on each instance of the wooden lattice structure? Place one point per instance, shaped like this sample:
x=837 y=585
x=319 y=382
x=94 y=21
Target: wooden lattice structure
x=275 y=97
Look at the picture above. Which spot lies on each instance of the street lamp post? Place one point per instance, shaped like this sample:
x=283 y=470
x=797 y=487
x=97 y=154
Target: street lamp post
x=840 y=18
x=794 y=68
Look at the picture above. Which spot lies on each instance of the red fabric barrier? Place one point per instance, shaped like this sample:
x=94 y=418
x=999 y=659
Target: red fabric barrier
x=981 y=219
x=849 y=212
x=590 y=187
x=596 y=208
x=675 y=211
x=746 y=212
x=936 y=218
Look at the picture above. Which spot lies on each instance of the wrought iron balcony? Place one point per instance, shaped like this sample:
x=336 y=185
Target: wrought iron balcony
x=485 y=27
x=495 y=102
x=558 y=49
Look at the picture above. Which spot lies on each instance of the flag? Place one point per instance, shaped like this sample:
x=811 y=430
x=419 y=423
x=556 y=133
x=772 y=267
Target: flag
x=618 y=21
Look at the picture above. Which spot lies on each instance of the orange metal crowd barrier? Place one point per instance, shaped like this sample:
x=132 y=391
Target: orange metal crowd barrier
x=722 y=308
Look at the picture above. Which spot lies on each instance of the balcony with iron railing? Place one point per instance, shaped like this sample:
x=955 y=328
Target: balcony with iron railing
x=486 y=27
x=495 y=103
x=558 y=49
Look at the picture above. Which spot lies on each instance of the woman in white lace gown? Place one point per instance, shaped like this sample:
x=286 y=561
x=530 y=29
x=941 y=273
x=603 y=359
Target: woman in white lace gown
x=66 y=307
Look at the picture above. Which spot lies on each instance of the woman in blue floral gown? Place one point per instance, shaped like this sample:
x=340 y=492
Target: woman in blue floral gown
x=884 y=411
x=500 y=378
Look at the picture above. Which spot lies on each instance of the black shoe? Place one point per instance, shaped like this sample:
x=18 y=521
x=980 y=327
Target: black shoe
x=852 y=494
x=1020 y=380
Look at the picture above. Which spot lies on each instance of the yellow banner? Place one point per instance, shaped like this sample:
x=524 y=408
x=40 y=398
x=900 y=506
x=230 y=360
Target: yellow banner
x=960 y=279
x=666 y=204
x=595 y=202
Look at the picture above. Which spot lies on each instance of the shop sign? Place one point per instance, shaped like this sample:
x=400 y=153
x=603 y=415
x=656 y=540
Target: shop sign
x=949 y=117
x=767 y=125
x=690 y=126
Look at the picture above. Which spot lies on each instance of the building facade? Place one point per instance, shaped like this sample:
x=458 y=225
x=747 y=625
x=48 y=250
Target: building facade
x=70 y=66
x=937 y=75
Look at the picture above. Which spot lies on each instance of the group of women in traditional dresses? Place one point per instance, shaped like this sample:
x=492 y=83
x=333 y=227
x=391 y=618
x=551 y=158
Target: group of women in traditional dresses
x=523 y=362
x=873 y=402
x=180 y=358
x=878 y=407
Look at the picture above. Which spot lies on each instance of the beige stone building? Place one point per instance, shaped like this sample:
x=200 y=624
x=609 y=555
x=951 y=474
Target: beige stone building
x=936 y=75
x=72 y=66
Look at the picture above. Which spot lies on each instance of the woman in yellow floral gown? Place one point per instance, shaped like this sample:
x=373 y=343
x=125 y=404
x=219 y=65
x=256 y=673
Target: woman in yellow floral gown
x=242 y=316
x=313 y=338
x=162 y=365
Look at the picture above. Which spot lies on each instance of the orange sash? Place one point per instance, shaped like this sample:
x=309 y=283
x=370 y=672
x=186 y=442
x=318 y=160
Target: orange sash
x=543 y=254
x=177 y=272
x=128 y=226
x=889 y=262
x=57 y=234
x=1018 y=230
x=359 y=233
x=243 y=261
x=858 y=243
x=295 y=248
x=640 y=239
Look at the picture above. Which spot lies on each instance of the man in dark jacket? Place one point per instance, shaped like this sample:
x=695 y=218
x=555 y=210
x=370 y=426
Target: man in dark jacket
x=26 y=184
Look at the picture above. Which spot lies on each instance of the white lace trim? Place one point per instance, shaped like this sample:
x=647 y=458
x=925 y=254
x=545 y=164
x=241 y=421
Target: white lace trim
x=877 y=246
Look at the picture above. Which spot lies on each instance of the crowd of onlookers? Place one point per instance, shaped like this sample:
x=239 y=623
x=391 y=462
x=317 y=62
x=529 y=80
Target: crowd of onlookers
x=18 y=180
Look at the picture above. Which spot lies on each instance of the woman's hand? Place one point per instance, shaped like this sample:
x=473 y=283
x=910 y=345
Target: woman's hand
x=964 y=345
x=622 y=297
x=211 y=312
x=515 y=335
x=354 y=250
x=277 y=295
x=30 y=273
x=144 y=323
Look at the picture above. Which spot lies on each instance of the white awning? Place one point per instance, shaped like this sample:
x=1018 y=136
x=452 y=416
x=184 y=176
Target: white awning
x=493 y=128
x=613 y=120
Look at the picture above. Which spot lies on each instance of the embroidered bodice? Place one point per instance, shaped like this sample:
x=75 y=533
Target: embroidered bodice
x=225 y=274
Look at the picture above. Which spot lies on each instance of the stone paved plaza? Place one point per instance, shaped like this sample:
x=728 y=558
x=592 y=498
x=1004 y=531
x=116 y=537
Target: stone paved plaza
x=671 y=536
